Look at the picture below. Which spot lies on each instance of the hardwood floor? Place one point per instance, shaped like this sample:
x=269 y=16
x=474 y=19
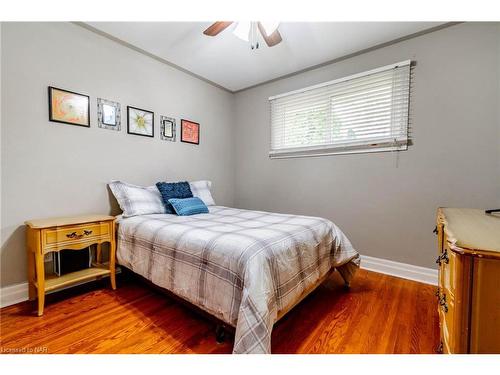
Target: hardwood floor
x=380 y=314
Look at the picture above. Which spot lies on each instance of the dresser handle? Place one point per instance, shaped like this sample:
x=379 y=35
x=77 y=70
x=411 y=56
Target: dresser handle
x=443 y=303
x=78 y=236
x=439 y=349
x=444 y=257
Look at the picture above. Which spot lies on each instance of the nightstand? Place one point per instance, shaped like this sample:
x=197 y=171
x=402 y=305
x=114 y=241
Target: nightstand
x=73 y=233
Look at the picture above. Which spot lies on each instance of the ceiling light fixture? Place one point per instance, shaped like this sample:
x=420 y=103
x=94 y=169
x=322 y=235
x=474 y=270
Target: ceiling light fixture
x=249 y=31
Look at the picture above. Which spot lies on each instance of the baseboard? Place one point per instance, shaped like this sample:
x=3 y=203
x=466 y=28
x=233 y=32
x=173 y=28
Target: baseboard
x=403 y=270
x=16 y=293
x=13 y=294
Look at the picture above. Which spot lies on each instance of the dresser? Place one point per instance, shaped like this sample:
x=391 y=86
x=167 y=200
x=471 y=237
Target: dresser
x=67 y=233
x=468 y=292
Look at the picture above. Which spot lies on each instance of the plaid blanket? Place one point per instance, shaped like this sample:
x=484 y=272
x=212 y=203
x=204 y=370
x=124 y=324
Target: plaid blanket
x=241 y=266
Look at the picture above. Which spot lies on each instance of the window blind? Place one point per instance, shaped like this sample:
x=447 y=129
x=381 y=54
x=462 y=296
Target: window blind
x=359 y=113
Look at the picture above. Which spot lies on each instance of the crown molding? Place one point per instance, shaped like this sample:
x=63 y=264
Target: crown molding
x=151 y=55
x=345 y=57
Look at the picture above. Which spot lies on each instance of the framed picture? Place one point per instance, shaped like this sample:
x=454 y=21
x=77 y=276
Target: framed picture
x=140 y=122
x=108 y=114
x=190 y=132
x=167 y=128
x=68 y=107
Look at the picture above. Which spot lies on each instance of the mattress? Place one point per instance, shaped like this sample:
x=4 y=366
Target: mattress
x=241 y=266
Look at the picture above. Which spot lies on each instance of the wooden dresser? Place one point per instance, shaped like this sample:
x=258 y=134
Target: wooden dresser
x=469 y=280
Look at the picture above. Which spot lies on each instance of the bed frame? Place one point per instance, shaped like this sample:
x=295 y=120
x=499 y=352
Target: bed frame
x=221 y=327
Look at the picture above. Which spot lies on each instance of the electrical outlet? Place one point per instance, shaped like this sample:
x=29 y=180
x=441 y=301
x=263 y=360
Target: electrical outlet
x=47 y=257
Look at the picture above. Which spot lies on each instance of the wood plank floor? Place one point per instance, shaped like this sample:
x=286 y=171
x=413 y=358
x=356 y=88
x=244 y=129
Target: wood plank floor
x=380 y=314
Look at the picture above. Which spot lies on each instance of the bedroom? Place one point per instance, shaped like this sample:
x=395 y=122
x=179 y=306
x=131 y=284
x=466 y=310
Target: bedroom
x=317 y=160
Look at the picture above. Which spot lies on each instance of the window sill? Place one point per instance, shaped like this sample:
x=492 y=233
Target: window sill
x=330 y=152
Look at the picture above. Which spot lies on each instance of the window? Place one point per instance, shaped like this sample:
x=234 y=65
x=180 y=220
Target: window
x=365 y=112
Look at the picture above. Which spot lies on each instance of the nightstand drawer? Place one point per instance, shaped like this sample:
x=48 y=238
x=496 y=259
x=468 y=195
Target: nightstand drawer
x=59 y=237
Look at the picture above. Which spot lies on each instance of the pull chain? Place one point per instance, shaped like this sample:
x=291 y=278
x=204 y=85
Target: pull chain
x=254 y=43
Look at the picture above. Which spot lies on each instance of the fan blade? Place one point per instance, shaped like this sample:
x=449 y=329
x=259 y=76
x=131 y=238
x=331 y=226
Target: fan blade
x=272 y=39
x=217 y=27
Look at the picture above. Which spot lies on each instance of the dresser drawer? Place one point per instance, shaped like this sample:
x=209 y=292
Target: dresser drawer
x=75 y=234
x=453 y=301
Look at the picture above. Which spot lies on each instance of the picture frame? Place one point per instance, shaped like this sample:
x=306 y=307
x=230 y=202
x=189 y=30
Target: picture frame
x=167 y=128
x=190 y=132
x=140 y=122
x=108 y=114
x=68 y=107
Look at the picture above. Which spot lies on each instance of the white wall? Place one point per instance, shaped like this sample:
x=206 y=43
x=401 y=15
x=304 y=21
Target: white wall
x=387 y=207
x=51 y=169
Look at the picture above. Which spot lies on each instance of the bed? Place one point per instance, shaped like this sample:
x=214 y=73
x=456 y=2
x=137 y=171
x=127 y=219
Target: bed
x=246 y=268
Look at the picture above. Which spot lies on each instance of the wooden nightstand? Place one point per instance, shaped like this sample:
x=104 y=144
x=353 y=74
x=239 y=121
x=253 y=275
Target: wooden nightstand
x=75 y=233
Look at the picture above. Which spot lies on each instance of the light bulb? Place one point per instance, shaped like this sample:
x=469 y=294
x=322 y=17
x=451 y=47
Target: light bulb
x=242 y=30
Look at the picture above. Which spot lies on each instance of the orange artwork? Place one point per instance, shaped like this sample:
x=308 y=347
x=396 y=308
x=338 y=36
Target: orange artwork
x=68 y=107
x=190 y=132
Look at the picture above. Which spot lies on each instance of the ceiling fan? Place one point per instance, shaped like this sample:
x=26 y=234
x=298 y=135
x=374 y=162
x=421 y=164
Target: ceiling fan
x=247 y=31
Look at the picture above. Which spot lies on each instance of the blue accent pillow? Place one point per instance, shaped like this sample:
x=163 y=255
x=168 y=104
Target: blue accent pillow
x=188 y=206
x=169 y=190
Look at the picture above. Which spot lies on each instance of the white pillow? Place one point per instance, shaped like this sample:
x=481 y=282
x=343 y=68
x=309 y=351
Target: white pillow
x=201 y=189
x=137 y=200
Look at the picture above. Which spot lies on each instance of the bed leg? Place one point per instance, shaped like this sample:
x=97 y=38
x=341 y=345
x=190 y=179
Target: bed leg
x=220 y=334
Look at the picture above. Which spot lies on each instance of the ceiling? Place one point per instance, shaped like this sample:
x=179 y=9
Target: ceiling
x=229 y=62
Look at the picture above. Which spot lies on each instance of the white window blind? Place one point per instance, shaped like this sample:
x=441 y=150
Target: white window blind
x=359 y=113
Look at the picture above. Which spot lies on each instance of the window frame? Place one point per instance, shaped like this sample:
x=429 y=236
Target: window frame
x=332 y=149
